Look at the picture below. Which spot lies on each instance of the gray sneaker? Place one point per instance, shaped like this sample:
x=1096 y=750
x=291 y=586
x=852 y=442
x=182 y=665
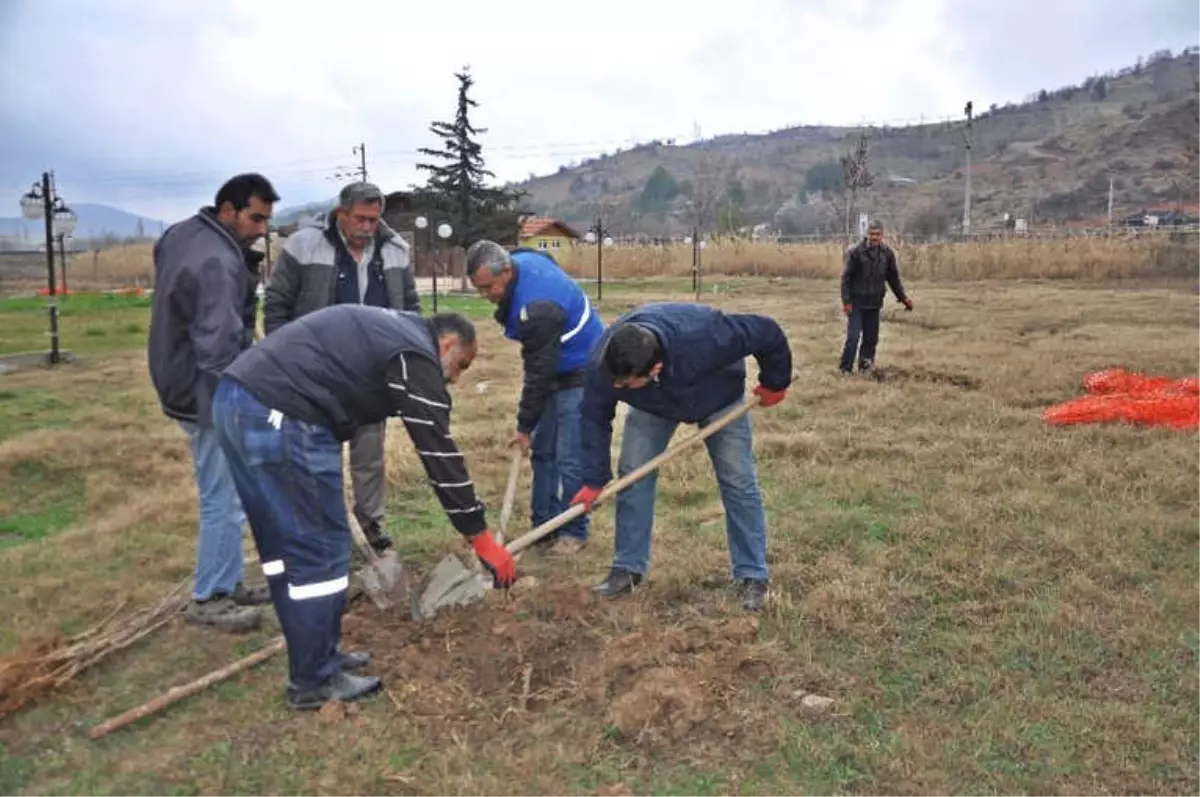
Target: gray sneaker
x=222 y=613
x=258 y=595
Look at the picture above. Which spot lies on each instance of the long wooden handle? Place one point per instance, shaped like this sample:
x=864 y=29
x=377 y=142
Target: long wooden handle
x=510 y=493
x=359 y=537
x=177 y=693
x=524 y=541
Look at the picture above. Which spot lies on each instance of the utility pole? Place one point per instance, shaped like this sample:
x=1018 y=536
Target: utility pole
x=361 y=150
x=359 y=171
x=1110 y=204
x=968 y=137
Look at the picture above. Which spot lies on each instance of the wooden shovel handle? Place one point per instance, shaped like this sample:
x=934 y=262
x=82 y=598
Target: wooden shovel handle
x=510 y=493
x=614 y=487
x=177 y=693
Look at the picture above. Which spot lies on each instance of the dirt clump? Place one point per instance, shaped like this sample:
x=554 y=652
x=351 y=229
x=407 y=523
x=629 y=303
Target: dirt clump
x=652 y=676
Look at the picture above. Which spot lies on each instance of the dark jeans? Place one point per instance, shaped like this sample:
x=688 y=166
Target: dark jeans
x=864 y=324
x=288 y=475
x=558 y=461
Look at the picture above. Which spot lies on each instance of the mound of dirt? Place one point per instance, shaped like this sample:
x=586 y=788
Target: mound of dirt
x=652 y=678
x=895 y=373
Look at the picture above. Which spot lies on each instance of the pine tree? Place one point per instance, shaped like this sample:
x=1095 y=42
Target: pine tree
x=456 y=186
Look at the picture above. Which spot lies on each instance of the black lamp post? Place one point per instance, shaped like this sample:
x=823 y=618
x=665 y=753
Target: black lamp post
x=599 y=235
x=60 y=221
x=444 y=231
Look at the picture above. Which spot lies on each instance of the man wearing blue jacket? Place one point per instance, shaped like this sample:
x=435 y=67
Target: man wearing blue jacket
x=543 y=308
x=678 y=363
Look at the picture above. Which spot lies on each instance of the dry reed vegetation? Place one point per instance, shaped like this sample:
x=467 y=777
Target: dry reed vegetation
x=1079 y=258
x=995 y=605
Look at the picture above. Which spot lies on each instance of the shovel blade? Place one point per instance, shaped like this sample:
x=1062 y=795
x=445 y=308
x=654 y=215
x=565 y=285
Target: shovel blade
x=451 y=584
x=386 y=581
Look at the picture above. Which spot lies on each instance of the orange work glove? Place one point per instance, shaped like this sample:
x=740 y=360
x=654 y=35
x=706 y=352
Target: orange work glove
x=496 y=558
x=907 y=304
x=769 y=397
x=586 y=496
x=847 y=309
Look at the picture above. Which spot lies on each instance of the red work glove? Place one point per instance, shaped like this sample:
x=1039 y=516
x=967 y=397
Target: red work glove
x=496 y=558
x=586 y=496
x=847 y=309
x=907 y=305
x=769 y=397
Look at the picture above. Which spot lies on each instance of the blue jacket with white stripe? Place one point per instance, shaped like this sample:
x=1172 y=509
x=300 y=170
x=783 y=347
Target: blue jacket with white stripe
x=556 y=325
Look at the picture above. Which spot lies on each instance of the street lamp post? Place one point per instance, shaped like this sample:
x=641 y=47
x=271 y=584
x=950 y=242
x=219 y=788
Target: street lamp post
x=697 y=245
x=599 y=235
x=444 y=231
x=60 y=221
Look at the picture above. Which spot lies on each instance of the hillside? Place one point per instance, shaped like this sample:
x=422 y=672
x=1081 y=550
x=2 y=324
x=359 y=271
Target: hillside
x=94 y=221
x=1048 y=160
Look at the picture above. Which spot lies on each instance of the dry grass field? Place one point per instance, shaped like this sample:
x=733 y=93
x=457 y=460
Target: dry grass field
x=994 y=605
x=1122 y=257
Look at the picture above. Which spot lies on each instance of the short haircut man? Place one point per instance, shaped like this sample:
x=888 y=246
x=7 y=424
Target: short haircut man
x=549 y=314
x=869 y=269
x=198 y=325
x=353 y=258
x=673 y=363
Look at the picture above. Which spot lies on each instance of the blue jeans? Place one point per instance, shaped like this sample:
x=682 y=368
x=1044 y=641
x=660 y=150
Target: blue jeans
x=864 y=323
x=219 y=561
x=289 y=476
x=731 y=451
x=558 y=461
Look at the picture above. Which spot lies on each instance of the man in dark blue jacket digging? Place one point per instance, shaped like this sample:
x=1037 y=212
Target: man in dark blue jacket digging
x=678 y=363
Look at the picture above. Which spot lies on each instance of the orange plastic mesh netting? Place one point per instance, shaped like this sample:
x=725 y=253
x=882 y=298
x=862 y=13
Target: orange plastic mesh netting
x=1119 y=395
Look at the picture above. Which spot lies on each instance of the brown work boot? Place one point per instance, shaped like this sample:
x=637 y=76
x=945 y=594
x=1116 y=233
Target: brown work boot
x=223 y=614
x=566 y=546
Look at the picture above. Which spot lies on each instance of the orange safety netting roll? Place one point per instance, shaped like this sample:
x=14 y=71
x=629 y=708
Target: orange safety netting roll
x=1119 y=395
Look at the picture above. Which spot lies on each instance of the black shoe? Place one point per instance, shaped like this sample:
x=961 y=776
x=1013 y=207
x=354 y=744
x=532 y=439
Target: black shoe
x=376 y=536
x=754 y=592
x=353 y=662
x=618 y=583
x=343 y=686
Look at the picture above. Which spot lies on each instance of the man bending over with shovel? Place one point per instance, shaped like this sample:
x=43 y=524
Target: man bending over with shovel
x=678 y=363
x=282 y=411
x=543 y=308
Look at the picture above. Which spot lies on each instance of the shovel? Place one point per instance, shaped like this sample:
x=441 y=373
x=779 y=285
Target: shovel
x=384 y=577
x=452 y=584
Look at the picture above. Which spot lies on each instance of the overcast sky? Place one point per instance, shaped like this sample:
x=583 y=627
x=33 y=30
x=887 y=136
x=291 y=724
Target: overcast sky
x=149 y=106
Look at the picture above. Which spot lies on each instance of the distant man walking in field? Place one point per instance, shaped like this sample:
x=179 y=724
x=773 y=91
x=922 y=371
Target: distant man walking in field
x=676 y=363
x=543 y=308
x=282 y=412
x=870 y=268
x=354 y=259
x=197 y=328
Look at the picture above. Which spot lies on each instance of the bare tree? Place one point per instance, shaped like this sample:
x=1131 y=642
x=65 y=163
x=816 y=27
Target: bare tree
x=856 y=178
x=708 y=186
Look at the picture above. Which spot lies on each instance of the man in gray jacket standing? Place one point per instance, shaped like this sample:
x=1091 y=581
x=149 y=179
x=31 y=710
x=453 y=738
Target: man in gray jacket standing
x=201 y=281
x=354 y=259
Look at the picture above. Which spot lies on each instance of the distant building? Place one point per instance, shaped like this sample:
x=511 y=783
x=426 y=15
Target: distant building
x=540 y=232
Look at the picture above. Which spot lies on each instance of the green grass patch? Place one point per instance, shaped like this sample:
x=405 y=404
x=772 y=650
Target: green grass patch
x=37 y=499
x=87 y=323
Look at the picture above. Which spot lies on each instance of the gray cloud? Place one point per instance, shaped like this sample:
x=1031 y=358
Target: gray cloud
x=149 y=105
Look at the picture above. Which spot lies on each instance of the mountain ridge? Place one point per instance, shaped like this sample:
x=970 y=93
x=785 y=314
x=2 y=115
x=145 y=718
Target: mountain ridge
x=1048 y=159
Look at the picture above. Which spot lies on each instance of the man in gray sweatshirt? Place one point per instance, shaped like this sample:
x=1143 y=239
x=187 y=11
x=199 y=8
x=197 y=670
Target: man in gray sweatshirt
x=201 y=281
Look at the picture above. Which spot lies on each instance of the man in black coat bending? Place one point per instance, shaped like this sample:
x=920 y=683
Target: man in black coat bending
x=282 y=411
x=870 y=269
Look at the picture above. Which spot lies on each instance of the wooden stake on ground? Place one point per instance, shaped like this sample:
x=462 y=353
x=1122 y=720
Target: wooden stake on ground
x=177 y=693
